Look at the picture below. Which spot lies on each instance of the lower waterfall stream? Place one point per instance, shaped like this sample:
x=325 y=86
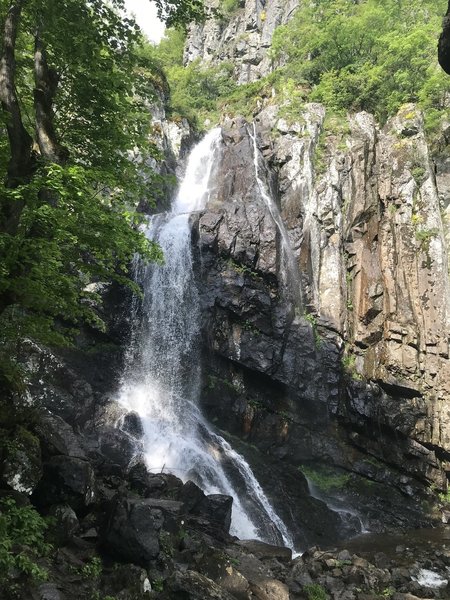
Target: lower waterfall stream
x=162 y=376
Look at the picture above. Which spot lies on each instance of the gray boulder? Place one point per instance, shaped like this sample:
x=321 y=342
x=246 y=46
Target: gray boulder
x=68 y=480
x=133 y=526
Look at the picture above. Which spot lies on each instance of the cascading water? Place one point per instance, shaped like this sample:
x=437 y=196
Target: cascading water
x=289 y=268
x=161 y=380
x=292 y=282
x=352 y=523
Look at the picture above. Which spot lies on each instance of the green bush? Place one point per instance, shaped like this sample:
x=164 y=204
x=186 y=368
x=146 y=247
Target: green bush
x=196 y=90
x=22 y=542
x=228 y=7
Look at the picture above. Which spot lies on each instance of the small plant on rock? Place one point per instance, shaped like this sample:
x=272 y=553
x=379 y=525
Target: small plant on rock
x=158 y=584
x=92 y=569
x=314 y=591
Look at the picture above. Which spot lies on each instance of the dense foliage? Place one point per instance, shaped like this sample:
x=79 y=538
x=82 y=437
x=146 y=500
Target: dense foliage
x=75 y=83
x=373 y=55
x=370 y=55
x=194 y=89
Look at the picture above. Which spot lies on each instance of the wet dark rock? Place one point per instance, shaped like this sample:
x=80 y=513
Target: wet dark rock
x=109 y=448
x=22 y=465
x=49 y=591
x=262 y=550
x=216 y=508
x=191 y=496
x=150 y=484
x=58 y=437
x=444 y=44
x=132 y=531
x=66 y=480
x=65 y=523
x=132 y=425
x=115 y=446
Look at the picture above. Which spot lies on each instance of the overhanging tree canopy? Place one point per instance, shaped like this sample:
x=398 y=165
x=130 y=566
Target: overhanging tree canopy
x=74 y=155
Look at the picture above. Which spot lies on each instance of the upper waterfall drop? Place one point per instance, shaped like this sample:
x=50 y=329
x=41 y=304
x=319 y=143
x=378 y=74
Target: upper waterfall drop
x=161 y=381
x=193 y=192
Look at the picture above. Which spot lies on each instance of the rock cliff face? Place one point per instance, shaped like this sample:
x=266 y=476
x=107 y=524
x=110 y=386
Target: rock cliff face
x=359 y=376
x=242 y=38
x=350 y=383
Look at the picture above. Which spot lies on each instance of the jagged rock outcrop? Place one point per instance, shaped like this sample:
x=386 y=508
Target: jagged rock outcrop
x=362 y=210
x=242 y=37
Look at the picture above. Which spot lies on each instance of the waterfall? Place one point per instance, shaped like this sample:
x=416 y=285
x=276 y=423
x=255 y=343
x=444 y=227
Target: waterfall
x=289 y=270
x=162 y=377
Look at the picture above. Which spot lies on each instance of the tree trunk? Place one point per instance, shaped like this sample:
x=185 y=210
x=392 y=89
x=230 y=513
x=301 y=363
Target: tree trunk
x=21 y=144
x=46 y=83
x=22 y=160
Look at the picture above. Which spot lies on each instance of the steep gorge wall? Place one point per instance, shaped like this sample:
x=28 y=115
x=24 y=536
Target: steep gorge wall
x=362 y=380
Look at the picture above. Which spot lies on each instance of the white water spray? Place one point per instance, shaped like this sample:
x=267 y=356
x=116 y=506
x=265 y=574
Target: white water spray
x=289 y=267
x=162 y=378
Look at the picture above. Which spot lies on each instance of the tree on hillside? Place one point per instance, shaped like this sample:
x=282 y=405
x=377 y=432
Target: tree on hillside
x=74 y=156
x=373 y=55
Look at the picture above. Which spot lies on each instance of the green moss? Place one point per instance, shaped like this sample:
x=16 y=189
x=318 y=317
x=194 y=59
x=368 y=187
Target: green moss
x=445 y=497
x=215 y=383
x=349 y=365
x=371 y=460
x=92 y=569
x=166 y=544
x=158 y=584
x=311 y=319
x=242 y=268
x=248 y=326
x=325 y=478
